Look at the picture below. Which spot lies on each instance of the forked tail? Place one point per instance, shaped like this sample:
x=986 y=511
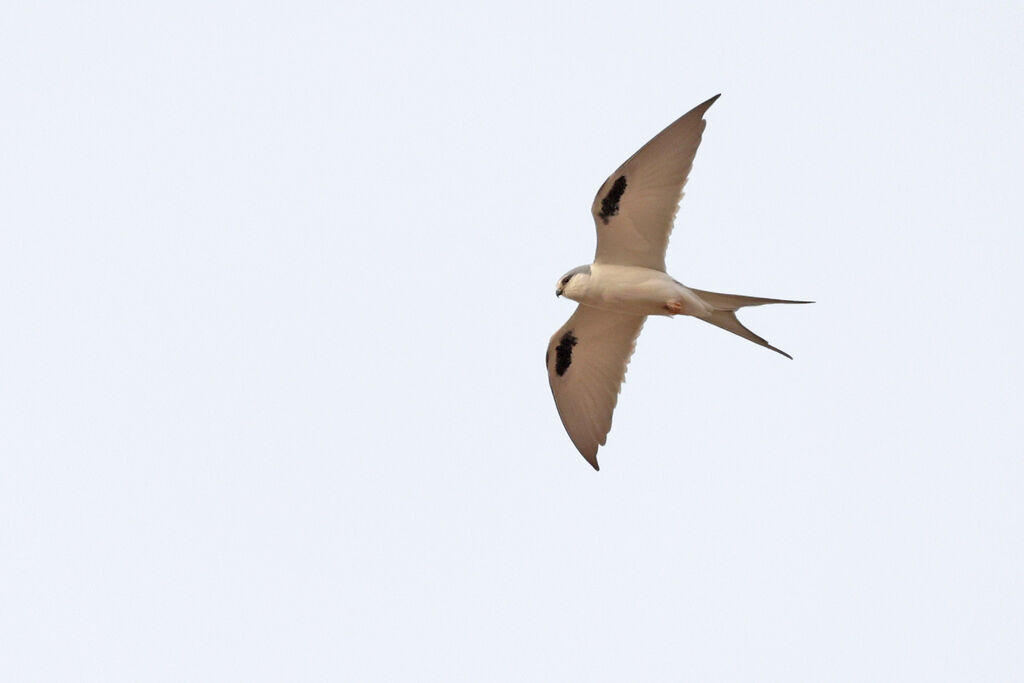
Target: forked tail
x=724 y=313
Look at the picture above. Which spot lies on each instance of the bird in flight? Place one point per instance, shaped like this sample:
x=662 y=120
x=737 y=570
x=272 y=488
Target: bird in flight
x=634 y=211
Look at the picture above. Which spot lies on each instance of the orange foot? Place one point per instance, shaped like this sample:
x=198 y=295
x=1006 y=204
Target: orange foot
x=673 y=307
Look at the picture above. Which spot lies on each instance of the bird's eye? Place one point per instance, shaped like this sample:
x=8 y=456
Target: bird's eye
x=565 y=280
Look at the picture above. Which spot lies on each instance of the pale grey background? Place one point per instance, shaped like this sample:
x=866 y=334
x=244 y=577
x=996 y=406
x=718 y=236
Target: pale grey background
x=276 y=285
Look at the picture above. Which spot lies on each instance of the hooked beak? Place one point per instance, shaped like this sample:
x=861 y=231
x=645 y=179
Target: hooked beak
x=558 y=292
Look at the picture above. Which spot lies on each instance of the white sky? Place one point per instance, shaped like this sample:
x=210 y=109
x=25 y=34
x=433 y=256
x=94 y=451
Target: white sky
x=276 y=287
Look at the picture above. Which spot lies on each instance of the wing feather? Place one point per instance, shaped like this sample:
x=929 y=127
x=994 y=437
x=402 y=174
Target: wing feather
x=636 y=206
x=587 y=361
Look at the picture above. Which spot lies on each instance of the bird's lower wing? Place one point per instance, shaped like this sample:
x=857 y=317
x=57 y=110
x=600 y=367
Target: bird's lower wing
x=586 y=361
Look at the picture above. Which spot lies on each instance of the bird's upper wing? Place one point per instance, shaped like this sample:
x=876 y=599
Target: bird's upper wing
x=635 y=207
x=587 y=362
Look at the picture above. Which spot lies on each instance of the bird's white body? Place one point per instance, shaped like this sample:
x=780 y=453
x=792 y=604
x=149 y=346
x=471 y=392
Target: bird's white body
x=634 y=291
x=634 y=212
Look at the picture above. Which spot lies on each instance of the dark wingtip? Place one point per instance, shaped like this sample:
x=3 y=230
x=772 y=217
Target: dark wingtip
x=702 y=108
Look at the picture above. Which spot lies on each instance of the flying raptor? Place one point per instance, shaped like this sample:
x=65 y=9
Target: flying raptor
x=634 y=211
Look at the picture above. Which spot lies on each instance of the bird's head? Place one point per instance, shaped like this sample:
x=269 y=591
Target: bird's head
x=572 y=282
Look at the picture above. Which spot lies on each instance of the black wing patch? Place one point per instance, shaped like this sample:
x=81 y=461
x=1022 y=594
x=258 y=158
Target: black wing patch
x=563 y=353
x=610 y=204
